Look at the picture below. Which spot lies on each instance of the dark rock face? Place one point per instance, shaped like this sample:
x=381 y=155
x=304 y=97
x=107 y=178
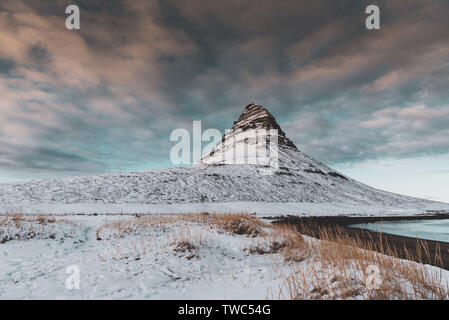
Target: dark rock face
x=256 y=116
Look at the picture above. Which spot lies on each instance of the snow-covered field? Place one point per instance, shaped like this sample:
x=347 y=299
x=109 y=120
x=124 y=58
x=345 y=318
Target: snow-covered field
x=173 y=257
x=260 y=208
x=144 y=264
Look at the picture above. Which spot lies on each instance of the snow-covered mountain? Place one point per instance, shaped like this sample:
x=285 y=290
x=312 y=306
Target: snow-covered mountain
x=216 y=178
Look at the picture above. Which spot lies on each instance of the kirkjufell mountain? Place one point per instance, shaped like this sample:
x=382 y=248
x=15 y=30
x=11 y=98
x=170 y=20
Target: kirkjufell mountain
x=298 y=179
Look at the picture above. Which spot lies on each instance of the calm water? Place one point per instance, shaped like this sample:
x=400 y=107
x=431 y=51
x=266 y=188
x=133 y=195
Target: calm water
x=437 y=230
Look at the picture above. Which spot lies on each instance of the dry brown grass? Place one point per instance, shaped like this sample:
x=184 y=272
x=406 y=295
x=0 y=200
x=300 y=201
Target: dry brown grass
x=187 y=233
x=40 y=218
x=282 y=239
x=186 y=249
x=339 y=270
x=238 y=224
x=18 y=226
x=334 y=267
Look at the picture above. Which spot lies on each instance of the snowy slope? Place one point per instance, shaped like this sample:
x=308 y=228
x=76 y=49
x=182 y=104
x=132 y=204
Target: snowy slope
x=299 y=179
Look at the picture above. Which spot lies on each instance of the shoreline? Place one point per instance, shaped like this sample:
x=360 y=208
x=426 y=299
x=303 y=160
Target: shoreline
x=406 y=247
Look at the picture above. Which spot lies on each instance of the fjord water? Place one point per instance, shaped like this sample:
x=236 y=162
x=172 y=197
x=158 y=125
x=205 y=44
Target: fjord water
x=436 y=229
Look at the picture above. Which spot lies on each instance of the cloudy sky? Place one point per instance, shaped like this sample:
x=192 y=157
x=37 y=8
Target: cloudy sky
x=372 y=104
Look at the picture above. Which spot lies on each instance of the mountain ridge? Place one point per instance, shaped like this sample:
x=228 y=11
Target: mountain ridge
x=256 y=116
x=298 y=179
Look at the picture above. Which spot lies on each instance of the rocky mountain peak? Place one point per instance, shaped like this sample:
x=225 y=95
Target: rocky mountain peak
x=249 y=140
x=255 y=116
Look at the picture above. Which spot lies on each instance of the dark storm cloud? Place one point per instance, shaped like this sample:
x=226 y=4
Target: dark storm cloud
x=39 y=55
x=48 y=159
x=6 y=65
x=106 y=97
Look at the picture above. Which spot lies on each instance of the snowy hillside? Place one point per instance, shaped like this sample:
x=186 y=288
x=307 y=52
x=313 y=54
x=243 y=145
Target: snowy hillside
x=299 y=179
